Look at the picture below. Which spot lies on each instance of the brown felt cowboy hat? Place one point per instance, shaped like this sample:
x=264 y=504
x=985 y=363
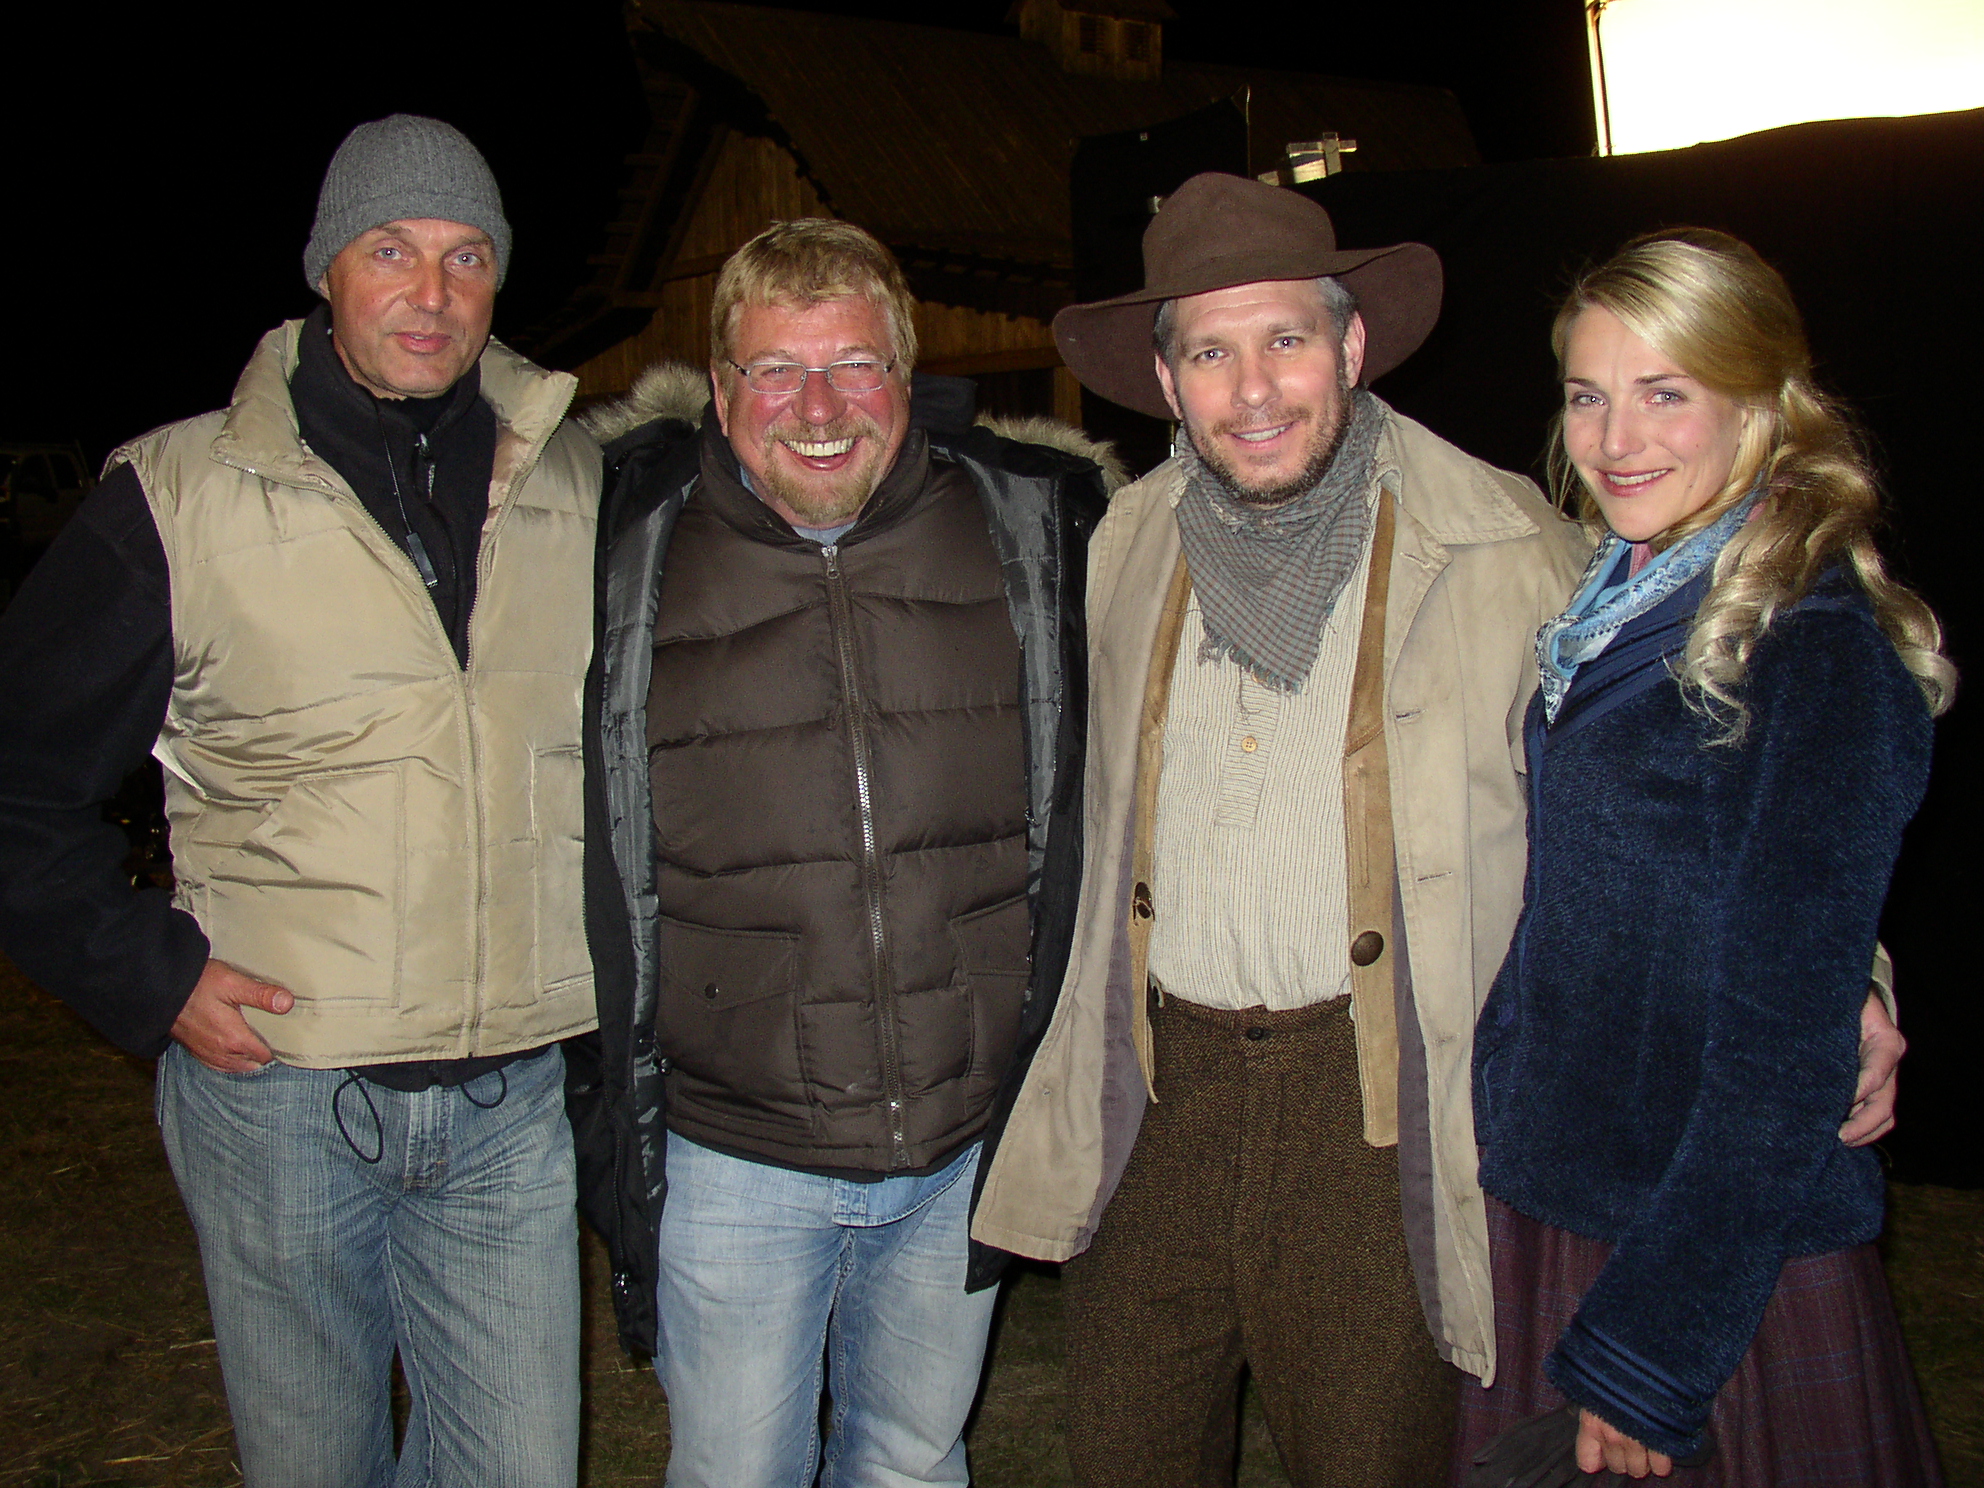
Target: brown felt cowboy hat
x=1217 y=231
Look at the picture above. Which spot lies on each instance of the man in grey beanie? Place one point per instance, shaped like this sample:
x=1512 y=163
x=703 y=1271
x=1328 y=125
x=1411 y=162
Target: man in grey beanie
x=398 y=168
x=351 y=615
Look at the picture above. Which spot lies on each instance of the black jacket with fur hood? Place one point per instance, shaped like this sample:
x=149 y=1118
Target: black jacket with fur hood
x=1044 y=487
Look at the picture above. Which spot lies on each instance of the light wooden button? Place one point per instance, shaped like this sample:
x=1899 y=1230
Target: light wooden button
x=1250 y=744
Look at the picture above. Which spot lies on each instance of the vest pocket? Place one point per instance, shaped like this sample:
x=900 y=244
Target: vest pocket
x=993 y=963
x=556 y=808
x=727 y=1014
x=312 y=894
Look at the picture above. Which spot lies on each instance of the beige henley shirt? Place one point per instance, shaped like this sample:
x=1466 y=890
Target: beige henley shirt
x=1248 y=842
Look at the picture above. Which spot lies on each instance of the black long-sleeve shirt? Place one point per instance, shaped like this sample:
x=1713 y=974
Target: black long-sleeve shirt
x=86 y=663
x=85 y=676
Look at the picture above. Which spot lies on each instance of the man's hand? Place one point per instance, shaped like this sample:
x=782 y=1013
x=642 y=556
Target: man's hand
x=1881 y=1048
x=212 y=1028
x=1602 y=1447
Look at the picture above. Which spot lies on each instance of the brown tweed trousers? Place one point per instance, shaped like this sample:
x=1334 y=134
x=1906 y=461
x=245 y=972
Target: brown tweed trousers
x=1255 y=1226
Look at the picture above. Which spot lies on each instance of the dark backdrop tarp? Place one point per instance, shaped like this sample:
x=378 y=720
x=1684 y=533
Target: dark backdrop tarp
x=1879 y=227
x=1112 y=182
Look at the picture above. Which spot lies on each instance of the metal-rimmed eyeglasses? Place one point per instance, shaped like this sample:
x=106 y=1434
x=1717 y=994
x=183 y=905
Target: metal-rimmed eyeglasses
x=857 y=375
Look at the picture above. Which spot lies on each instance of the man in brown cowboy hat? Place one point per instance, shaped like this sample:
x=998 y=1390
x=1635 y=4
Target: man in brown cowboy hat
x=1247 y=1129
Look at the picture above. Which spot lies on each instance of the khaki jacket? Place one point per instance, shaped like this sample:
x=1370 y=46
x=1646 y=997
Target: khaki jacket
x=391 y=836
x=1478 y=561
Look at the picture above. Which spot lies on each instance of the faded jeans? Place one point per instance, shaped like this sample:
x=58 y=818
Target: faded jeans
x=458 y=1247
x=774 y=1283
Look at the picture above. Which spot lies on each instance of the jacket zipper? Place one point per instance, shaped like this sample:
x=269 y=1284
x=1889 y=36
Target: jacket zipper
x=472 y=755
x=842 y=619
x=473 y=749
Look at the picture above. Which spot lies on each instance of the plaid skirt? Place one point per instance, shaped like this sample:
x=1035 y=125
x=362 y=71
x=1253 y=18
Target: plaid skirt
x=1825 y=1397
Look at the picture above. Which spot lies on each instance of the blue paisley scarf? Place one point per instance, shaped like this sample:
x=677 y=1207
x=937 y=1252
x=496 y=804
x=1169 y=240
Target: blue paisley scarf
x=1599 y=609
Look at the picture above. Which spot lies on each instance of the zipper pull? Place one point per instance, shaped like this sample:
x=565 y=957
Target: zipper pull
x=427 y=459
x=417 y=551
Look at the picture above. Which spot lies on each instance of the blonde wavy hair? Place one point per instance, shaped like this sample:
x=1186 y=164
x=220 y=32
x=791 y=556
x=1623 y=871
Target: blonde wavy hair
x=807 y=261
x=1723 y=316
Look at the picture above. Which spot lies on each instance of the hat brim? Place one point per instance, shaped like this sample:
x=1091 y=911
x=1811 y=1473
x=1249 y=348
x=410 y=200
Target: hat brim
x=1107 y=343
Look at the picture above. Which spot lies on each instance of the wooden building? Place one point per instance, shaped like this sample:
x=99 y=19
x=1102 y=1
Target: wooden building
x=952 y=147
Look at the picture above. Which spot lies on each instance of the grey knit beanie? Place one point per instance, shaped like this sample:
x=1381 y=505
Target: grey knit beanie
x=400 y=168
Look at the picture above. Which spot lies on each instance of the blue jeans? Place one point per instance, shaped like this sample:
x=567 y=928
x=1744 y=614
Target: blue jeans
x=458 y=1247
x=770 y=1278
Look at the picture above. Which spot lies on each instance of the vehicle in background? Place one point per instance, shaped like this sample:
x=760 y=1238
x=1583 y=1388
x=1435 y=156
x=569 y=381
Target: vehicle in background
x=41 y=485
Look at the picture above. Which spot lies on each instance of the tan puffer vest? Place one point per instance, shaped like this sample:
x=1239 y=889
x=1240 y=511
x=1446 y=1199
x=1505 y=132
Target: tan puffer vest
x=354 y=816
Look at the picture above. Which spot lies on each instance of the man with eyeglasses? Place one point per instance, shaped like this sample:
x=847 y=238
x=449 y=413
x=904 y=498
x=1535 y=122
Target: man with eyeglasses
x=834 y=767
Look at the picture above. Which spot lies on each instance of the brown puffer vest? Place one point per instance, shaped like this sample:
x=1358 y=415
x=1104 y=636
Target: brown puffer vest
x=836 y=758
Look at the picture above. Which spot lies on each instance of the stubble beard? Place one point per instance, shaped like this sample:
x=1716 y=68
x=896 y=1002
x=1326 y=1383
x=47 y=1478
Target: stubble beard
x=825 y=499
x=1323 y=446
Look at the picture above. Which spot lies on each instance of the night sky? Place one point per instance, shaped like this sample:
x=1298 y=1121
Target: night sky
x=161 y=175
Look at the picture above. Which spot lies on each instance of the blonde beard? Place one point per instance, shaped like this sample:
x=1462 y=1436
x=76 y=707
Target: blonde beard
x=832 y=500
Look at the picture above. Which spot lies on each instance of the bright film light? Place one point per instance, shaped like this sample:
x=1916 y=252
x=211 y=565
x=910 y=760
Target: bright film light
x=1678 y=72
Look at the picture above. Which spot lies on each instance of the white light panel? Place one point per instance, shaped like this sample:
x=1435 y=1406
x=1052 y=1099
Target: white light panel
x=1678 y=72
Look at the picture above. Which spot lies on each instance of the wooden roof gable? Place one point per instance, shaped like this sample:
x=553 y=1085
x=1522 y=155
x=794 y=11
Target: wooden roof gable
x=961 y=142
x=952 y=147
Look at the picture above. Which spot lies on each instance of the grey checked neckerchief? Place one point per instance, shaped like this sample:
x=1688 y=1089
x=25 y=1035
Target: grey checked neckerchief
x=1267 y=578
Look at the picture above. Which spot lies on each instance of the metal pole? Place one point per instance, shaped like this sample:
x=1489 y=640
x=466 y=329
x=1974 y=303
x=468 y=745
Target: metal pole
x=1594 y=17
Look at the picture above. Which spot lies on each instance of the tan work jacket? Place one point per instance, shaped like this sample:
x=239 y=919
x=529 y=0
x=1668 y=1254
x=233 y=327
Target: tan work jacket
x=1478 y=560
x=355 y=815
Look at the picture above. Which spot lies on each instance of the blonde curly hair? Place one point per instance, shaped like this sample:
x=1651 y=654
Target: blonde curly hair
x=1724 y=317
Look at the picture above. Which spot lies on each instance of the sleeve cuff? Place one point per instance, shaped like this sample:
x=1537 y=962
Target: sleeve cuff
x=1627 y=1391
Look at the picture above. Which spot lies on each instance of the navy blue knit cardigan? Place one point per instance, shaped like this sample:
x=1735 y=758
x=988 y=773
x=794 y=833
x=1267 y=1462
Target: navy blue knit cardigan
x=1672 y=1041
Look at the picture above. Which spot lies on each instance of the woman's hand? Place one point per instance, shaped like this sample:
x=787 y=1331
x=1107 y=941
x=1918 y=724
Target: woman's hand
x=1881 y=1048
x=1601 y=1447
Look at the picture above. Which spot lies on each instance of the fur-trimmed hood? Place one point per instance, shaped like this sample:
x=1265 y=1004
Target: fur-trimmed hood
x=679 y=391
x=1066 y=438
x=672 y=390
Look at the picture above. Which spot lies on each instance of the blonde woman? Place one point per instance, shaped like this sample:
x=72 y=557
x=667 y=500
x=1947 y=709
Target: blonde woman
x=1733 y=728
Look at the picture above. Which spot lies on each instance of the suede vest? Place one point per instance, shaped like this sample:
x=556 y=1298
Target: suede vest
x=394 y=838
x=840 y=808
